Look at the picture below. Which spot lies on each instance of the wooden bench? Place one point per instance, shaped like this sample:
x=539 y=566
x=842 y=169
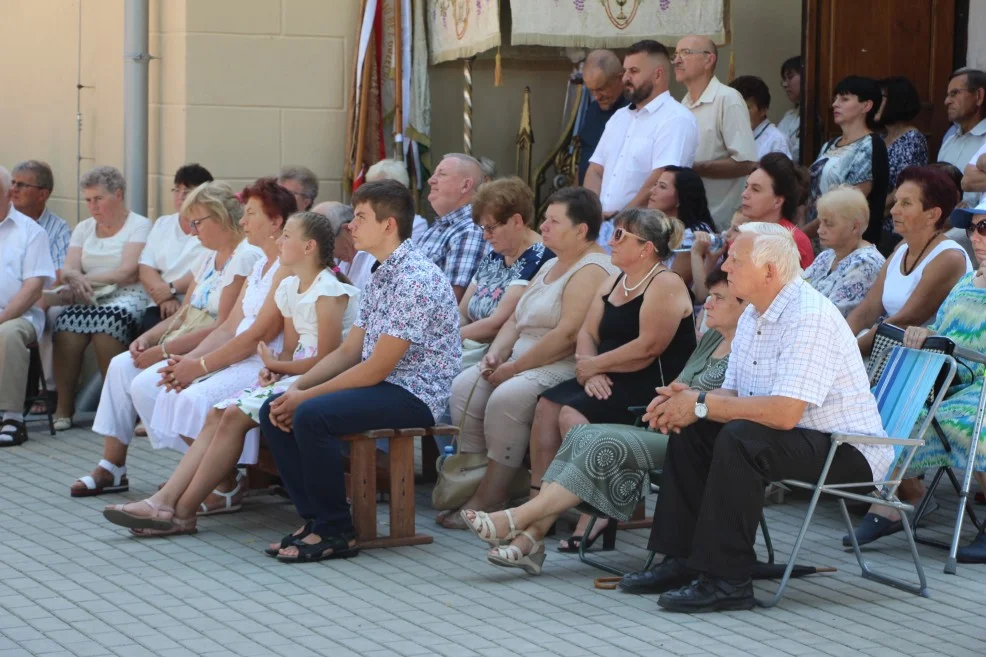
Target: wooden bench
x=363 y=479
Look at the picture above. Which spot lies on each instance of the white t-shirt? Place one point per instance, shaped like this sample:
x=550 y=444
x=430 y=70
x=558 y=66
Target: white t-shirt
x=24 y=254
x=170 y=251
x=769 y=139
x=210 y=283
x=418 y=228
x=637 y=141
x=105 y=254
x=300 y=307
x=790 y=126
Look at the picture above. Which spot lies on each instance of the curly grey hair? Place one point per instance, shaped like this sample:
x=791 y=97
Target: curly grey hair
x=109 y=178
x=305 y=176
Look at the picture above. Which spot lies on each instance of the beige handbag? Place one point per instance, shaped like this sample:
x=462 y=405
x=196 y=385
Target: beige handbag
x=186 y=320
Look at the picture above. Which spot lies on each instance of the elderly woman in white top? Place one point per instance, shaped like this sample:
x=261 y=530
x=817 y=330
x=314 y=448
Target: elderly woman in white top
x=848 y=267
x=104 y=298
x=173 y=251
x=924 y=267
x=213 y=213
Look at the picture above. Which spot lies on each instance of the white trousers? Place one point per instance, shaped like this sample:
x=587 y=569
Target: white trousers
x=127 y=392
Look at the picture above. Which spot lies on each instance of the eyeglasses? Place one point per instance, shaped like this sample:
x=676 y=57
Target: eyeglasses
x=489 y=229
x=979 y=227
x=620 y=233
x=17 y=184
x=955 y=92
x=684 y=52
x=195 y=223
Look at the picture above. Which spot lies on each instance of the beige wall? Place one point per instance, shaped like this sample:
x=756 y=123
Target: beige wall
x=241 y=86
x=765 y=33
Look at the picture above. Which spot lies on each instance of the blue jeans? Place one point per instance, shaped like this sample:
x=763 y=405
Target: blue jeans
x=309 y=458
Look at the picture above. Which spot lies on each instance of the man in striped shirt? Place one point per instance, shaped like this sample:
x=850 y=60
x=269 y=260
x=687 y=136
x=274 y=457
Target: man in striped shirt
x=31 y=186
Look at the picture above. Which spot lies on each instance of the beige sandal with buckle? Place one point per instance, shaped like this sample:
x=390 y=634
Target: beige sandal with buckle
x=482 y=526
x=118 y=515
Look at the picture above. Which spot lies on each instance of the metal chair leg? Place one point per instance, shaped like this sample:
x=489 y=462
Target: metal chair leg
x=595 y=563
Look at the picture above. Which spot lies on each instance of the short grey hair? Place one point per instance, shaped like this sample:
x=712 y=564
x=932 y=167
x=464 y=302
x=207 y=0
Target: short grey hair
x=774 y=244
x=339 y=214
x=489 y=167
x=40 y=170
x=471 y=167
x=109 y=178
x=604 y=61
x=4 y=185
x=389 y=170
x=304 y=175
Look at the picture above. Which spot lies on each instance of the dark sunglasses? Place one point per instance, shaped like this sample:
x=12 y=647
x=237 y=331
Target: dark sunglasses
x=976 y=228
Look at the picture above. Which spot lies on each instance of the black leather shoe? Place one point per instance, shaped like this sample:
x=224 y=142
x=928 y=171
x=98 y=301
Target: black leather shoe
x=975 y=552
x=710 y=594
x=668 y=575
x=872 y=527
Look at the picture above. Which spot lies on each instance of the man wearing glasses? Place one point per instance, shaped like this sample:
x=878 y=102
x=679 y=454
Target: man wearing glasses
x=965 y=105
x=726 y=152
x=30 y=188
x=302 y=183
x=168 y=261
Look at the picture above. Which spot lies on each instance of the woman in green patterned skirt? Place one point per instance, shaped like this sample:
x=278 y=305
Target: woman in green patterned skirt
x=603 y=468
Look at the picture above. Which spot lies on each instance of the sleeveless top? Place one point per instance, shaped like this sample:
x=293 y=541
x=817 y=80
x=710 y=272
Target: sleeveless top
x=897 y=288
x=621 y=324
x=257 y=287
x=539 y=310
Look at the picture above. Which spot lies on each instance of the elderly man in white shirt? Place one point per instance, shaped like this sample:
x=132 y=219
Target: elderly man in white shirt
x=965 y=106
x=27 y=267
x=726 y=152
x=639 y=140
x=795 y=376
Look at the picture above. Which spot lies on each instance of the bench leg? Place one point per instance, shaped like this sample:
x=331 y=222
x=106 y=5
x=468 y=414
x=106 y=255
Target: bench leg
x=402 y=487
x=363 y=475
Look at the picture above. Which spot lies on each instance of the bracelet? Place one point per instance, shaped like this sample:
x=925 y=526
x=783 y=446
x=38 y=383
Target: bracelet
x=204 y=366
x=164 y=350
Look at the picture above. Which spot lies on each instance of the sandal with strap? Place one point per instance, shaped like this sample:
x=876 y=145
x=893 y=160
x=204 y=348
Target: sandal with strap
x=13 y=438
x=330 y=547
x=231 y=501
x=290 y=539
x=511 y=556
x=574 y=542
x=483 y=527
x=118 y=515
x=179 y=527
x=120 y=483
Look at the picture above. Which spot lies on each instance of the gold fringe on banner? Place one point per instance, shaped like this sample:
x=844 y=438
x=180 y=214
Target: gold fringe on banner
x=732 y=63
x=498 y=71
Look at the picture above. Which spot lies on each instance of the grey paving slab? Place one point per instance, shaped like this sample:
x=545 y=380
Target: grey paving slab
x=71 y=584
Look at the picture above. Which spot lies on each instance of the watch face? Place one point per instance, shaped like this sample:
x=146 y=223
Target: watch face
x=701 y=410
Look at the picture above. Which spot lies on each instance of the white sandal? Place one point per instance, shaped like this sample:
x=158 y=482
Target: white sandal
x=511 y=556
x=482 y=526
x=229 y=505
x=120 y=483
x=62 y=423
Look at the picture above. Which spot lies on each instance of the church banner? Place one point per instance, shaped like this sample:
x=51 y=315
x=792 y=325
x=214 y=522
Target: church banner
x=462 y=28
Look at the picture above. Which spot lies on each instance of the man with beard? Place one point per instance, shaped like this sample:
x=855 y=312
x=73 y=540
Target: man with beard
x=653 y=132
x=726 y=153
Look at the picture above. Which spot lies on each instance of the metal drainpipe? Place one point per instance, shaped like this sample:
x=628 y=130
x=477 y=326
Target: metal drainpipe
x=135 y=65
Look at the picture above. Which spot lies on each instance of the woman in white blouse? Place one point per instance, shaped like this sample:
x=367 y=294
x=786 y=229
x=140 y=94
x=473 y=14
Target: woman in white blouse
x=214 y=214
x=104 y=300
x=849 y=266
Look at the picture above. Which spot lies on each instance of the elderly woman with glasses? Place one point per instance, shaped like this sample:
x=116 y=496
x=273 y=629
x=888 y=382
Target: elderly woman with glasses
x=131 y=384
x=167 y=263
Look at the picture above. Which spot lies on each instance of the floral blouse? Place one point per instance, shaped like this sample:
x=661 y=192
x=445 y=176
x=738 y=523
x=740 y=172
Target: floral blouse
x=852 y=279
x=409 y=298
x=911 y=148
x=493 y=277
x=864 y=160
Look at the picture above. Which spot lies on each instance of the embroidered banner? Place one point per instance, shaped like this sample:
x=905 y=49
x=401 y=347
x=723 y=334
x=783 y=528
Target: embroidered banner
x=613 y=23
x=462 y=28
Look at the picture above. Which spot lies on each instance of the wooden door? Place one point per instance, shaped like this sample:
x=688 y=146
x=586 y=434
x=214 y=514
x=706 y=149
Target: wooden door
x=879 y=39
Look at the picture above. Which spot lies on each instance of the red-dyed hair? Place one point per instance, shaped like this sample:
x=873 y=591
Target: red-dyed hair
x=937 y=189
x=275 y=200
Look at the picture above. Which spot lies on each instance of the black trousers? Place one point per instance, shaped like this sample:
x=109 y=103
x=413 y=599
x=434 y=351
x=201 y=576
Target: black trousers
x=152 y=317
x=712 y=489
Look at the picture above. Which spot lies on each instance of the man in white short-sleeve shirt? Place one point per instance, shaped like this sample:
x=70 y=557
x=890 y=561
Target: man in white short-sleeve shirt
x=965 y=106
x=726 y=152
x=653 y=132
x=768 y=422
x=26 y=267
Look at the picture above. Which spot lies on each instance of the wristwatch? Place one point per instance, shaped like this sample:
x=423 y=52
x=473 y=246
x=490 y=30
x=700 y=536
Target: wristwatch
x=174 y=292
x=701 y=410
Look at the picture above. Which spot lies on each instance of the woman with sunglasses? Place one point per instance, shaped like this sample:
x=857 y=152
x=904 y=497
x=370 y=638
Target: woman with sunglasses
x=960 y=319
x=923 y=268
x=637 y=335
x=213 y=214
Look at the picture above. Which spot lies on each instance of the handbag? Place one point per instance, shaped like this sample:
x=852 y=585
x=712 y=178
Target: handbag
x=186 y=320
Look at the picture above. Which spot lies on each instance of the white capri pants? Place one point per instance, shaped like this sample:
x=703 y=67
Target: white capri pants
x=127 y=392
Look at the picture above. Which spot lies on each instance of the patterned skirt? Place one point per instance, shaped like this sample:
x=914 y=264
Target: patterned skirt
x=118 y=315
x=957 y=416
x=607 y=466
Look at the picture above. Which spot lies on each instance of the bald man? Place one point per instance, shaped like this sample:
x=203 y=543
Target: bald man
x=726 y=152
x=602 y=77
x=454 y=242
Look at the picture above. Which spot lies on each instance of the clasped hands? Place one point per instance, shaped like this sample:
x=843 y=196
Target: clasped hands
x=673 y=409
x=495 y=371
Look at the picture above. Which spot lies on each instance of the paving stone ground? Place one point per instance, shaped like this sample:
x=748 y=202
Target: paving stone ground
x=72 y=584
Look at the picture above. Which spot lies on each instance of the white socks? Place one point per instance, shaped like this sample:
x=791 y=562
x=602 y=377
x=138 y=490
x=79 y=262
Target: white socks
x=10 y=415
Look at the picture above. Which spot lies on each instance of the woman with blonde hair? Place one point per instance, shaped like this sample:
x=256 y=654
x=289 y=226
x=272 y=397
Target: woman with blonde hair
x=847 y=268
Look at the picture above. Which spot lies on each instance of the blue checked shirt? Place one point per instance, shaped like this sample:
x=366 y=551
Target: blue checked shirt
x=59 y=235
x=455 y=244
x=802 y=348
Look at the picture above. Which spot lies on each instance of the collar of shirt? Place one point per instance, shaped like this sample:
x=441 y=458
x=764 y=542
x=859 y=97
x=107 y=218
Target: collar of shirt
x=776 y=308
x=395 y=259
x=708 y=96
x=454 y=216
x=760 y=129
x=9 y=215
x=652 y=106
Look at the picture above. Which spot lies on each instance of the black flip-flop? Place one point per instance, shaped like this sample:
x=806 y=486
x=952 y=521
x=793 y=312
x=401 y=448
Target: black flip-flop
x=19 y=434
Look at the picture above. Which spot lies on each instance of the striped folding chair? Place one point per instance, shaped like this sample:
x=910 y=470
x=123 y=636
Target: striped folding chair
x=905 y=382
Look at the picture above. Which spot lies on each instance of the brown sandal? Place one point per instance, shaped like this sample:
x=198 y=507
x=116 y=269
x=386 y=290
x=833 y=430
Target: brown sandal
x=17 y=437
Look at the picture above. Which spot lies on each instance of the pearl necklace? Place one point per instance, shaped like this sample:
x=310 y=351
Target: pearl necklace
x=628 y=290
